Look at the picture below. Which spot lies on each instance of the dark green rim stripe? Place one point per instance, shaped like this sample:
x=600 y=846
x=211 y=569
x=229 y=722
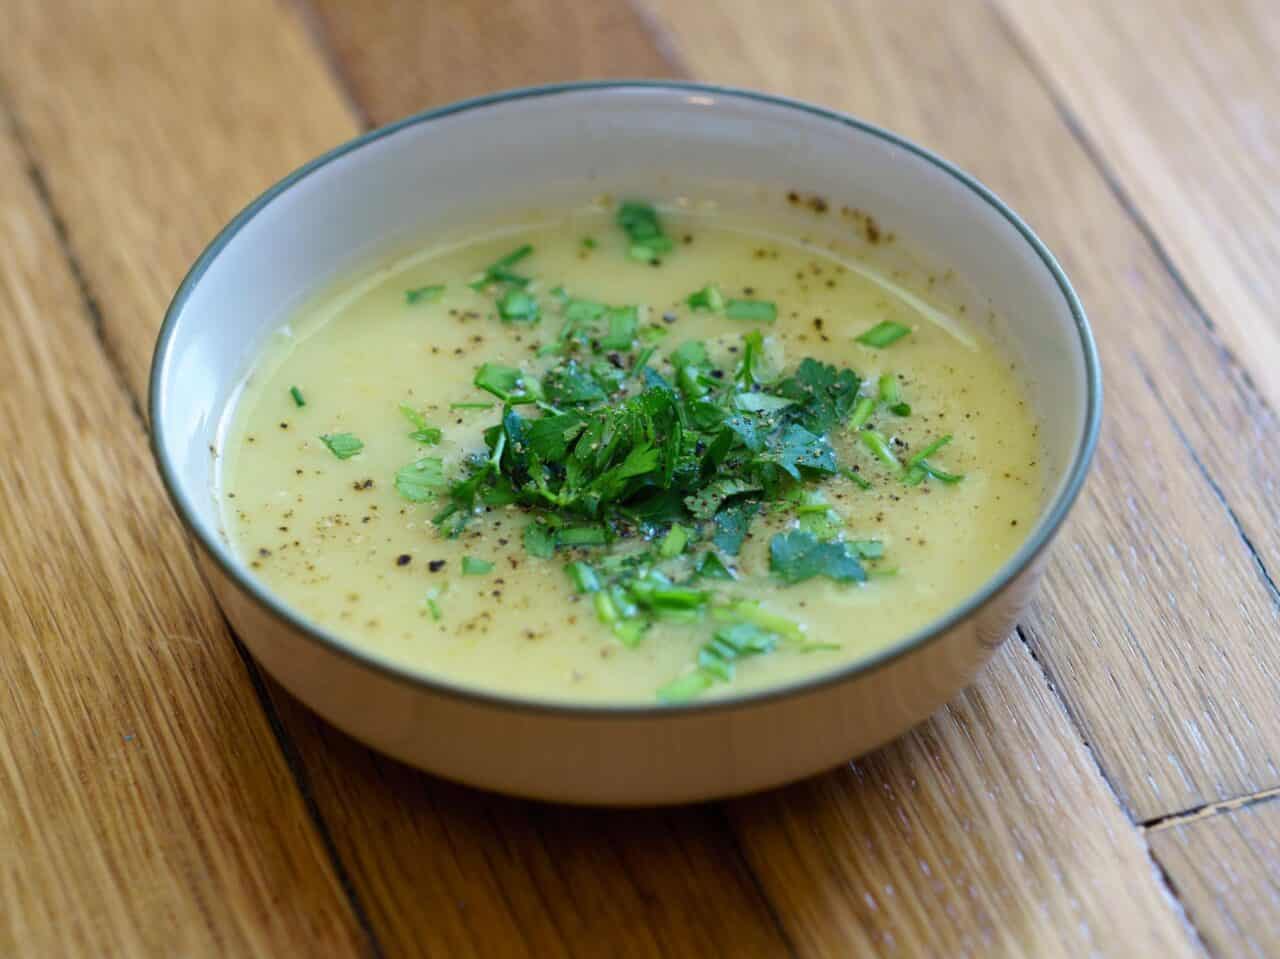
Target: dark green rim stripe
x=222 y=555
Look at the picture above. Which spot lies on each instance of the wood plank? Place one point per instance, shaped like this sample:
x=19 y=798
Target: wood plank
x=145 y=806
x=505 y=877
x=1181 y=100
x=401 y=57
x=1226 y=868
x=1155 y=624
x=140 y=186
x=985 y=832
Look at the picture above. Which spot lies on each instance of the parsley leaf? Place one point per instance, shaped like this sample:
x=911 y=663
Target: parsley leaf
x=731 y=525
x=419 y=481
x=342 y=445
x=798 y=555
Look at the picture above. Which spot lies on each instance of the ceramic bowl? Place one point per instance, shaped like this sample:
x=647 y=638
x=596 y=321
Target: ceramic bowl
x=560 y=145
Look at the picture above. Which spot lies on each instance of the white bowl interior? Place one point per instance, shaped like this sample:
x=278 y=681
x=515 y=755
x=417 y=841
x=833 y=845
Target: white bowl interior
x=558 y=149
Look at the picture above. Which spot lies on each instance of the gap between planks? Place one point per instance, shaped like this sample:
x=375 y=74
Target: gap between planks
x=1130 y=209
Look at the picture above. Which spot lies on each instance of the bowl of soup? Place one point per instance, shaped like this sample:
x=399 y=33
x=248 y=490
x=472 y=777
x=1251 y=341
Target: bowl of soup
x=624 y=443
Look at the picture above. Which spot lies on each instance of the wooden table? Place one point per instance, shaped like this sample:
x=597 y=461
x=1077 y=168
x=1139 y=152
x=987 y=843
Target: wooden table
x=1107 y=786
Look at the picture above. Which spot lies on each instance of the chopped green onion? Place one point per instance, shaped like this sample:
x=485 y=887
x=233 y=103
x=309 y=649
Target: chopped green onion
x=517 y=306
x=929 y=450
x=883 y=333
x=606 y=608
x=497 y=272
x=583 y=576
x=900 y=409
x=750 y=611
x=432 y=606
x=762 y=311
x=677 y=597
x=342 y=445
x=296 y=393
x=475 y=567
x=644 y=229
x=686 y=687
x=862 y=411
x=650 y=249
x=878 y=445
x=424 y=294
x=890 y=392
x=674 y=542
x=470 y=406
x=938 y=473
x=707 y=298
x=630 y=632
x=855 y=479
x=588 y=243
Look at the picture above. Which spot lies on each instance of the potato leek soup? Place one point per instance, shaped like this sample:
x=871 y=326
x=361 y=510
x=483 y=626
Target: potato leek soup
x=630 y=456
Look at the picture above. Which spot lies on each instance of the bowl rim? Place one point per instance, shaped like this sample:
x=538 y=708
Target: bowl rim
x=220 y=552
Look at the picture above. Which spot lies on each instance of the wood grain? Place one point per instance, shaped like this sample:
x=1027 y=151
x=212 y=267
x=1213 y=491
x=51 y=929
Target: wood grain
x=986 y=832
x=454 y=872
x=1200 y=162
x=1155 y=624
x=145 y=807
x=401 y=57
x=1226 y=868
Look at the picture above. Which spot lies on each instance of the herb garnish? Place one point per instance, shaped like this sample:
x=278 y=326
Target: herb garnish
x=298 y=400
x=644 y=470
x=762 y=311
x=421 y=479
x=643 y=228
x=423 y=431
x=424 y=294
x=342 y=445
x=499 y=270
x=883 y=333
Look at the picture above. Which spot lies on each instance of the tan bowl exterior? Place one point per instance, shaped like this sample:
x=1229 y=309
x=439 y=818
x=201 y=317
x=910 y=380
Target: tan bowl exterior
x=590 y=756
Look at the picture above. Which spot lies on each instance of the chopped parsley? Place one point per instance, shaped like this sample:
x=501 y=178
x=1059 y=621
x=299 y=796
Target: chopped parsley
x=421 y=480
x=517 y=306
x=423 y=432
x=799 y=555
x=342 y=445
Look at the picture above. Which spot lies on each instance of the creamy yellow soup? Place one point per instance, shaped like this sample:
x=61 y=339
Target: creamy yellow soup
x=330 y=530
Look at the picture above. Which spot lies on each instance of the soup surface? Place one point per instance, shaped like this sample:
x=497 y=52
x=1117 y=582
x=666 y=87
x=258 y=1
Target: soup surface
x=629 y=456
